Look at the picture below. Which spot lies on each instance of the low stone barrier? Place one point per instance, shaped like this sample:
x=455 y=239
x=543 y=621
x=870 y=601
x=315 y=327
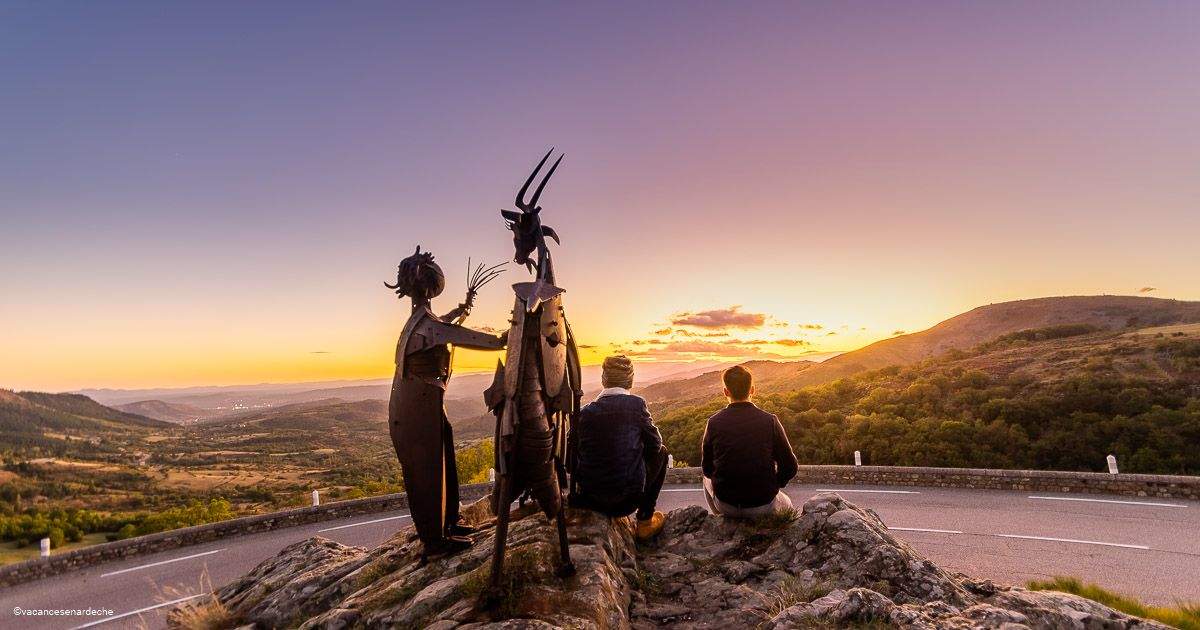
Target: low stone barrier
x=1161 y=486
x=163 y=541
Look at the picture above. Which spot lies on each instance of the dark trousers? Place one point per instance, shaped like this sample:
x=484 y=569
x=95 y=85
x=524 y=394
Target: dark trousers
x=642 y=500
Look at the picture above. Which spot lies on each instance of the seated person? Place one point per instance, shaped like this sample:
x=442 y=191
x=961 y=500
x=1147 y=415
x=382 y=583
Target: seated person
x=746 y=457
x=618 y=460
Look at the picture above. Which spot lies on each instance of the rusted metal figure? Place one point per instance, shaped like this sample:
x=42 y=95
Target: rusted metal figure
x=417 y=421
x=537 y=387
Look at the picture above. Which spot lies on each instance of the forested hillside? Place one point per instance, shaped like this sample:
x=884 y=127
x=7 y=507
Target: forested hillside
x=1060 y=397
x=978 y=325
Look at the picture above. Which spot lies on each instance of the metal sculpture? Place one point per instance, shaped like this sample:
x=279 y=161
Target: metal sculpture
x=537 y=389
x=420 y=432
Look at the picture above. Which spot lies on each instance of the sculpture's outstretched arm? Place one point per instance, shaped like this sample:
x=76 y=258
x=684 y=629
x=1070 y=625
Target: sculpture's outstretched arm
x=460 y=312
x=461 y=336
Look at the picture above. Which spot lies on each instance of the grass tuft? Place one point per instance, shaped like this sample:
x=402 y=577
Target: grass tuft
x=789 y=592
x=1185 y=616
x=647 y=582
x=202 y=613
x=777 y=521
x=523 y=567
x=205 y=613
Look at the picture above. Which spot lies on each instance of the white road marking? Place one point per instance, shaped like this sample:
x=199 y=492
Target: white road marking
x=870 y=491
x=922 y=529
x=155 y=564
x=378 y=520
x=138 y=611
x=1173 y=505
x=1072 y=540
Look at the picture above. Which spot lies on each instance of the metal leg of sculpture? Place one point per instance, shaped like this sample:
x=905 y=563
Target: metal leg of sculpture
x=567 y=568
x=503 y=507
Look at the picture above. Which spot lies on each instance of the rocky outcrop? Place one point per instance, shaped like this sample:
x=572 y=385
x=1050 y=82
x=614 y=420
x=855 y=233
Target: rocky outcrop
x=831 y=565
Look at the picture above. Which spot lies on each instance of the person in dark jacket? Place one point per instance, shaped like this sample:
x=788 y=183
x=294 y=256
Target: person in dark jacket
x=618 y=462
x=746 y=457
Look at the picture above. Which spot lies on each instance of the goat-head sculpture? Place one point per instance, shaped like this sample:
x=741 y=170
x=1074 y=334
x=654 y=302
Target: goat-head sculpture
x=528 y=232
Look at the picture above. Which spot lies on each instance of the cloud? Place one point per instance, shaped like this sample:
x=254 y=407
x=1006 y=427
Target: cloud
x=811 y=326
x=793 y=343
x=690 y=349
x=320 y=352
x=1147 y=289
x=663 y=331
x=897 y=332
x=830 y=333
x=584 y=346
x=731 y=317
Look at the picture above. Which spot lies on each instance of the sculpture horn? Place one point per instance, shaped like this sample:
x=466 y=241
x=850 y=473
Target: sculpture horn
x=532 y=205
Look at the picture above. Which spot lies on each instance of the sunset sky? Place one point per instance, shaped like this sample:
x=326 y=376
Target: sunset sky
x=213 y=193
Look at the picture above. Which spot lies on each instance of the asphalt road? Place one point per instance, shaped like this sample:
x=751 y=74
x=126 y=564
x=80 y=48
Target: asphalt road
x=1146 y=547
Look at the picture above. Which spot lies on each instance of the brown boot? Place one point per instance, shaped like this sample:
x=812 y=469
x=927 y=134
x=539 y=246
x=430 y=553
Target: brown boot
x=649 y=528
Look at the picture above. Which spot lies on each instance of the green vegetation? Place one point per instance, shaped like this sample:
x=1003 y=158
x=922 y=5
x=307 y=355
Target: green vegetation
x=525 y=567
x=1071 y=404
x=475 y=461
x=647 y=582
x=776 y=521
x=1061 y=331
x=72 y=469
x=72 y=525
x=1183 y=616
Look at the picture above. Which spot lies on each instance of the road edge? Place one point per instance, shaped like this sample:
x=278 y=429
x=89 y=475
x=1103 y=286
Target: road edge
x=1159 y=486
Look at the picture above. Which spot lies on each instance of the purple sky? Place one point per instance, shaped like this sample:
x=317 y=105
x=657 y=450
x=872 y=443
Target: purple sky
x=213 y=192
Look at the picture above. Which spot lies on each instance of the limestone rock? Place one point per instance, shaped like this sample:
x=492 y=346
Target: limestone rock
x=832 y=564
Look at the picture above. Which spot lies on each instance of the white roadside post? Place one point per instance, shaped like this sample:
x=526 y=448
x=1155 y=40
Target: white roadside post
x=491 y=475
x=45 y=547
x=1112 y=464
x=670 y=461
x=316 y=498
x=857 y=458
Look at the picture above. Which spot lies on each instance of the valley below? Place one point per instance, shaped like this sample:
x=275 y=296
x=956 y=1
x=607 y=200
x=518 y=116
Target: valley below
x=1056 y=383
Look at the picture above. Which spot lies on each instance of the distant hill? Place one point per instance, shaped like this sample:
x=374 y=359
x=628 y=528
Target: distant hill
x=965 y=331
x=36 y=425
x=177 y=413
x=768 y=376
x=86 y=409
x=464 y=395
x=1060 y=397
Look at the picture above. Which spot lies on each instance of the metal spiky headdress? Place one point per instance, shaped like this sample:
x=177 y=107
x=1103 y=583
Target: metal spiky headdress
x=418 y=276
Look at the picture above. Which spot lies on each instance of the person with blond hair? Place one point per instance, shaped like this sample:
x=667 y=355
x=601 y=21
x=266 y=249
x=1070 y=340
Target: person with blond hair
x=618 y=459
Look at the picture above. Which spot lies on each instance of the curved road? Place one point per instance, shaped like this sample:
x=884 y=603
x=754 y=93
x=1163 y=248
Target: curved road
x=1145 y=547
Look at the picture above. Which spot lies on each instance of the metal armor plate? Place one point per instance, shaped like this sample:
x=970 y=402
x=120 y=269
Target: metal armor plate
x=512 y=355
x=553 y=346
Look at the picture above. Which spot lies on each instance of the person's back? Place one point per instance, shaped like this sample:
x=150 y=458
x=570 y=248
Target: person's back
x=741 y=440
x=746 y=456
x=616 y=455
x=609 y=436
